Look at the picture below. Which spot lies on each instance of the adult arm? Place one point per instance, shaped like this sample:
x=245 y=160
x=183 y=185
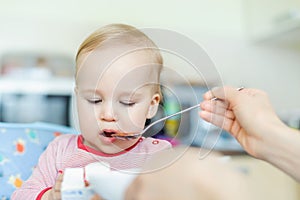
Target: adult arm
x=249 y=116
x=182 y=174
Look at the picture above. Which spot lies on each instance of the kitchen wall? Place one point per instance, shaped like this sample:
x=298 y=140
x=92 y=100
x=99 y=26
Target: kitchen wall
x=218 y=26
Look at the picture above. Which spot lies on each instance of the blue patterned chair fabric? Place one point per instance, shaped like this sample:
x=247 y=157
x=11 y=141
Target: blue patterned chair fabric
x=21 y=145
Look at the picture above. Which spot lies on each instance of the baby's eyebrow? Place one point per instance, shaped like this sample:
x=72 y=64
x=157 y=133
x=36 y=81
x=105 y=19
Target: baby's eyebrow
x=89 y=92
x=131 y=93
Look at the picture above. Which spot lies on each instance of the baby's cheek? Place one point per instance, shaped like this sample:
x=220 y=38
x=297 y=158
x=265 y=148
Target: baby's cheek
x=137 y=118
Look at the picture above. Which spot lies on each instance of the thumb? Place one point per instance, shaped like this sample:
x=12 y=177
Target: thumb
x=223 y=93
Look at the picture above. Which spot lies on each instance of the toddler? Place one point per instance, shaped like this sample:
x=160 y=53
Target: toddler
x=117 y=88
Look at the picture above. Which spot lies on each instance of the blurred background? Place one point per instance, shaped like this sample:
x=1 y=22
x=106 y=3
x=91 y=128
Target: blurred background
x=252 y=43
x=249 y=44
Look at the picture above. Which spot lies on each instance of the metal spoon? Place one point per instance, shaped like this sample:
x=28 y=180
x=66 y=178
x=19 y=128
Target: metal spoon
x=126 y=136
x=238 y=89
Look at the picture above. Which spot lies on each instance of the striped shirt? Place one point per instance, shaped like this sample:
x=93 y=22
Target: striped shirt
x=68 y=151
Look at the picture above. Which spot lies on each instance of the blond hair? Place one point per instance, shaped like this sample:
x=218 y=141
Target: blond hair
x=122 y=34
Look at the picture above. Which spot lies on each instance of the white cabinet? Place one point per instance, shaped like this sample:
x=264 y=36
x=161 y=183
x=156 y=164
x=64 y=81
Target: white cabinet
x=275 y=21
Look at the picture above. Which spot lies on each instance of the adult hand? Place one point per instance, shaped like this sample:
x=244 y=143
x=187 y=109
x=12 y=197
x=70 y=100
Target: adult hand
x=246 y=114
x=250 y=118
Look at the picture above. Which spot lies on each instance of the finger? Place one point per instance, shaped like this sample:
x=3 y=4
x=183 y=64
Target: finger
x=215 y=103
x=235 y=129
x=60 y=176
x=58 y=182
x=220 y=103
x=217 y=120
x=212 y=93
x=208 y=95
x=222 y=93
x=219 y=108
x=56 y=195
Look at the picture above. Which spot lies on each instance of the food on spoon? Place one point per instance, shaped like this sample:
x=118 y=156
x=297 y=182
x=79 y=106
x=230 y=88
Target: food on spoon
x=120 y=134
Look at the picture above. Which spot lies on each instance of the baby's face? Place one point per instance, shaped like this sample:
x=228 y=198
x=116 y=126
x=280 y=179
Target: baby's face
x=115 y=94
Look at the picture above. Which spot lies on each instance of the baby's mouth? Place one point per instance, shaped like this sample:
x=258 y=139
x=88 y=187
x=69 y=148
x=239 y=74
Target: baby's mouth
x=108 y=133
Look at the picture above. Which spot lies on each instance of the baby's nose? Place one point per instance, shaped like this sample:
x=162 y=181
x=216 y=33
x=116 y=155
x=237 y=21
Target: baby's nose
x=107 y=113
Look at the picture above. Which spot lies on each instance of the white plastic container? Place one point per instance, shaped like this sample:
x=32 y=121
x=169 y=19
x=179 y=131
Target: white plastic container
x=73 y=186
x=109 y=184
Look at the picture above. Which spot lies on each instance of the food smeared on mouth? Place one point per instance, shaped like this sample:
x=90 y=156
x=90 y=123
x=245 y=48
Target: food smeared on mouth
x=116 y=134
x=126 y=136
x=108 y=133
x=107 y=136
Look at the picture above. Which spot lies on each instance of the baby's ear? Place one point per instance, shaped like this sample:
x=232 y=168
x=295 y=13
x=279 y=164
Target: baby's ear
x=153 y=106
